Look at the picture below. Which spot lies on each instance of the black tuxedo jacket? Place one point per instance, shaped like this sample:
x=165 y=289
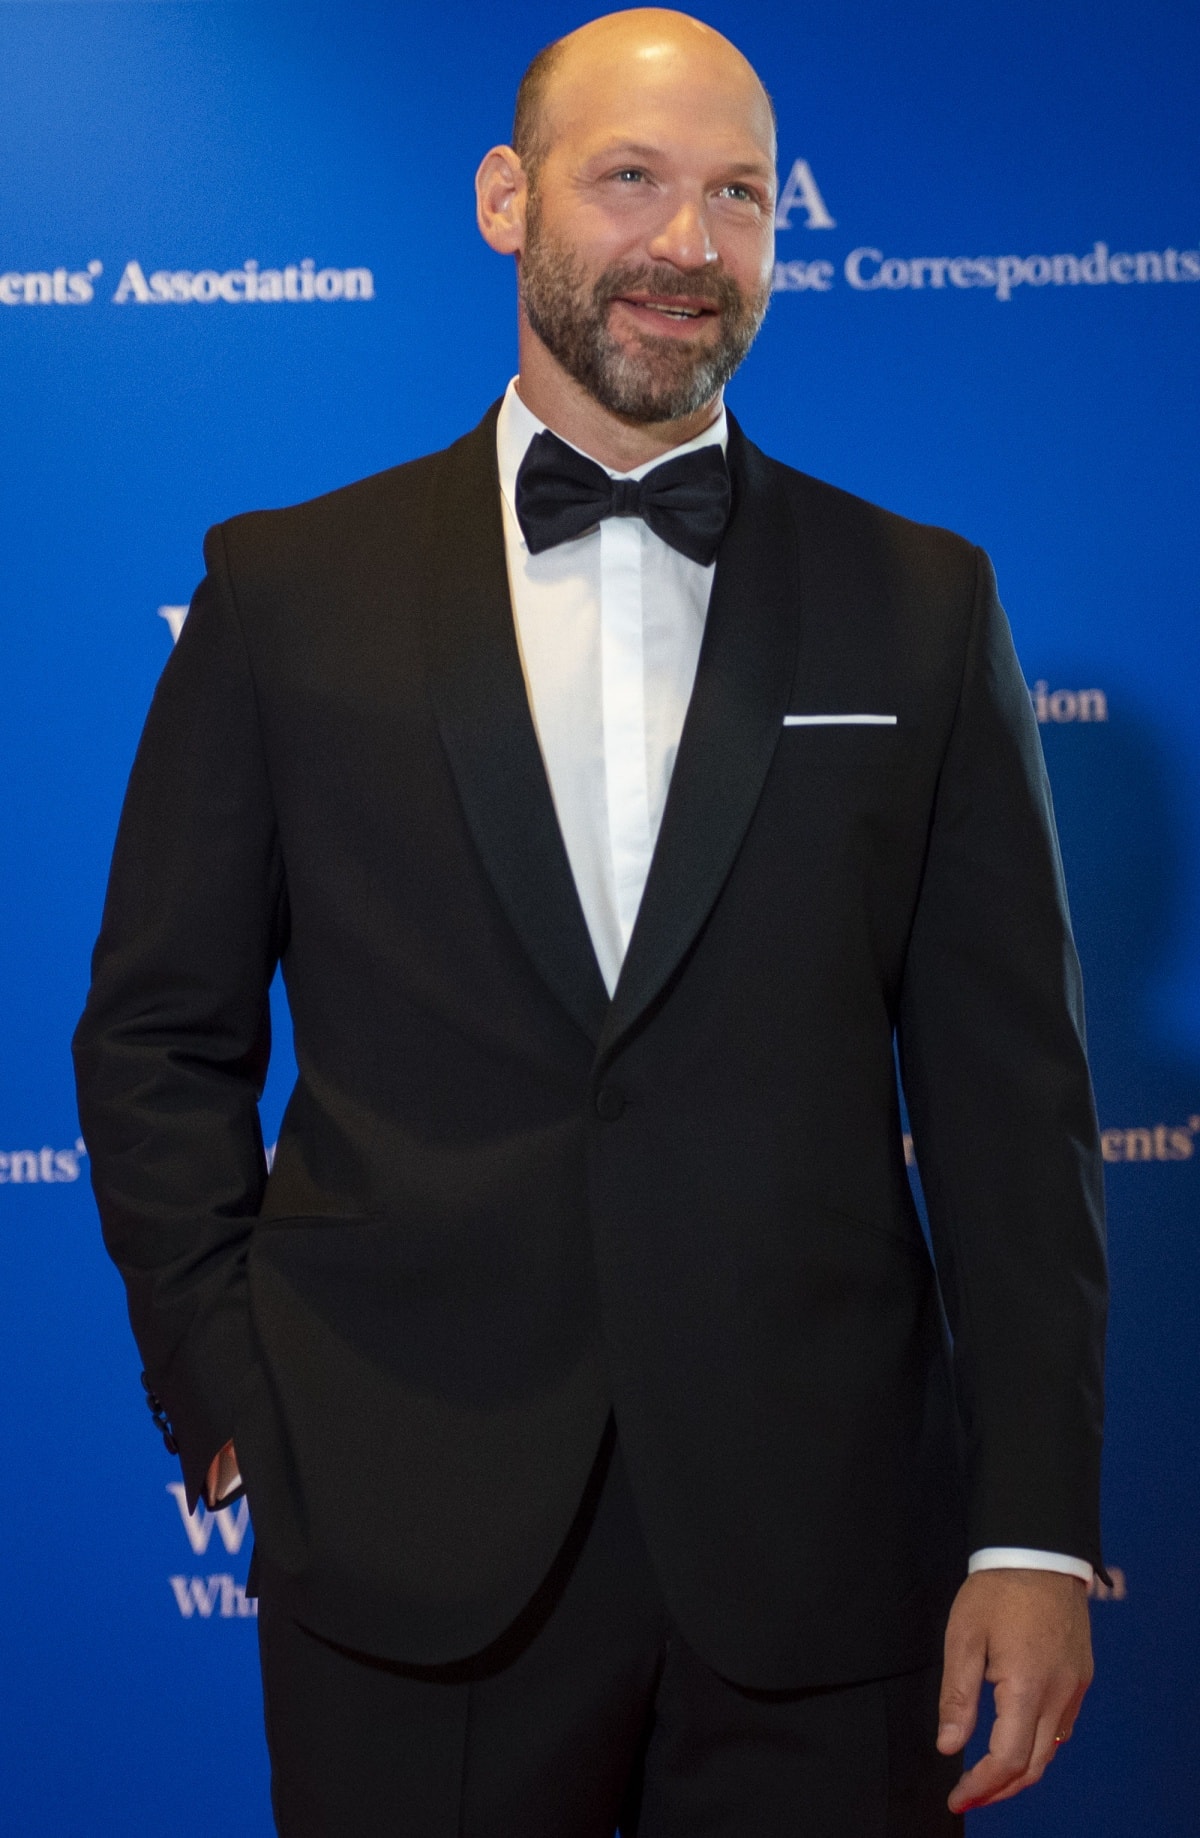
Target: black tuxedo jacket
x=503 y=1207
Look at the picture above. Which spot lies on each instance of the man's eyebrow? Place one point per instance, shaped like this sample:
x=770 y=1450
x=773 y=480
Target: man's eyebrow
x=763 y=169
x=612 y=148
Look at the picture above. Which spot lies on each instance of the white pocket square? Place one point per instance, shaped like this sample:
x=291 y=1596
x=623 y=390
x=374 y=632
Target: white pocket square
x=839 y=721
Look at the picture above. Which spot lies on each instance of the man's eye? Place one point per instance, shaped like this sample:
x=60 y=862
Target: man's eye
x=740 y=192
x=629 y=172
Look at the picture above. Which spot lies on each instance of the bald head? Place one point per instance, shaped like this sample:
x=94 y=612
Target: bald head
x=647 y=46
x=638 y=198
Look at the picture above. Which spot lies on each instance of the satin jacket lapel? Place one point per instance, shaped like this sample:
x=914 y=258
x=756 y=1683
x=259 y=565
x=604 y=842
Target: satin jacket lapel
x=743 y=681
x=483 y=714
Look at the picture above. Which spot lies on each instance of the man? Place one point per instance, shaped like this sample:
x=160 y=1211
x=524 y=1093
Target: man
x=582 y=1353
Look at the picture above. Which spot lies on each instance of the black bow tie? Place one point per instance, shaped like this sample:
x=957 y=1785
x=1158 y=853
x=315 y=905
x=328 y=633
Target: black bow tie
x=561 y=493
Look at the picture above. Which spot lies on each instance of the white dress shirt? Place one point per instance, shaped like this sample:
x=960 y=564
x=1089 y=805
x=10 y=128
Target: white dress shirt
x=609 y=628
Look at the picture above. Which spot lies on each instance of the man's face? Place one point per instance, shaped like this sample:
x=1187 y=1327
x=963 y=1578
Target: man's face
x=649 y=233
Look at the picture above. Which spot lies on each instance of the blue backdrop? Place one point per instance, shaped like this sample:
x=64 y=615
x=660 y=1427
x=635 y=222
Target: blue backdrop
x=238 y=266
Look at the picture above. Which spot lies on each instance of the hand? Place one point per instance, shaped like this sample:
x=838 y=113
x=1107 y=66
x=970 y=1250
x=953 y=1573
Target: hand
x=1028 y=1633
x=223 y=1475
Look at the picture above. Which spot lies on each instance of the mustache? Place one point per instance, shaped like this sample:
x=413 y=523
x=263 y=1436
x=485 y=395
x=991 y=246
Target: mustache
x=719 y=290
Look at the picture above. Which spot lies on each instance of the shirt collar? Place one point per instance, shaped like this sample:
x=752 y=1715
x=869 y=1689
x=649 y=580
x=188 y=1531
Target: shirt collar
x=517 y=425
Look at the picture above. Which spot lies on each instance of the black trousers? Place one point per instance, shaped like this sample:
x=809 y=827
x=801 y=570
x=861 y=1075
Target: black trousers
x=589 y=1714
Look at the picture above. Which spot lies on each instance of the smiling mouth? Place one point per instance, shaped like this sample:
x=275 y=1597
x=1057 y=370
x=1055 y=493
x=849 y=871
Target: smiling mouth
x=669 y=308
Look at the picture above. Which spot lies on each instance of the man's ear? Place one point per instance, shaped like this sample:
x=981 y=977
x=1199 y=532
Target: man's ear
x=501 y=192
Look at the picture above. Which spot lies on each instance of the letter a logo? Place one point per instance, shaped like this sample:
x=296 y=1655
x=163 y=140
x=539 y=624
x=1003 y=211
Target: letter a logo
x=800 y=188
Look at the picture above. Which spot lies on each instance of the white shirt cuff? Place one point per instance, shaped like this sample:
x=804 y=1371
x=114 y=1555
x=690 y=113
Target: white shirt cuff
x=1014 y=1557
x=227 y=1479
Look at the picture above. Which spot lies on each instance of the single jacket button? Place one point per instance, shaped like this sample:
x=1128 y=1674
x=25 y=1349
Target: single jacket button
x=609 y=1103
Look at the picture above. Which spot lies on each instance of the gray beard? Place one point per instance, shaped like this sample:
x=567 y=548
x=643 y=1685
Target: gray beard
x=660 y=379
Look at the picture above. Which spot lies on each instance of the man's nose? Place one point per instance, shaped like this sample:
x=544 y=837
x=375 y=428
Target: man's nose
x=684 y=240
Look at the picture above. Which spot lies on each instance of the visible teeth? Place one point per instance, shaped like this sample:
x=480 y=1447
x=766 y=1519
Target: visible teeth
x=677 y=312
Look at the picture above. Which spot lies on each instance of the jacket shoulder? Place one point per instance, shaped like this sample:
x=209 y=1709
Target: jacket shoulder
x=270 y=549
x=924 y=555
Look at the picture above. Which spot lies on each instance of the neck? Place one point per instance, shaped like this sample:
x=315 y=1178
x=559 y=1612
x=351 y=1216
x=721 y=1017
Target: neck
x=570 y=412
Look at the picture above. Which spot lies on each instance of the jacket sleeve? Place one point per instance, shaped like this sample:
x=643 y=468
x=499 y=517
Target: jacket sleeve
x=992 y=1053
x=172 y=1048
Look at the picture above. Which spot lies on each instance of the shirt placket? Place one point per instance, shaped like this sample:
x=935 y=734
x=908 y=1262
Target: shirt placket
x=623 y=693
